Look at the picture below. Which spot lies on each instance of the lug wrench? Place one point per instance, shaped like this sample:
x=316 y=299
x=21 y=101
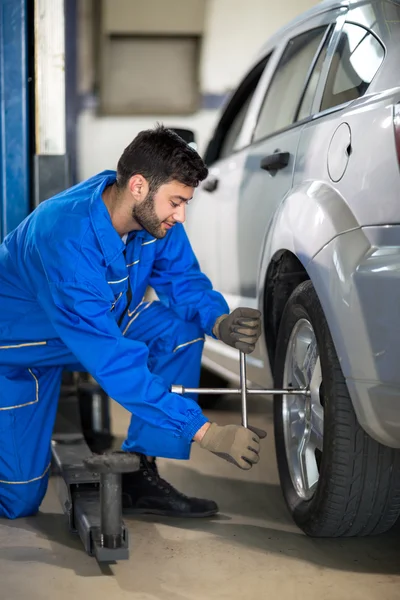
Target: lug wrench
x=243 y=390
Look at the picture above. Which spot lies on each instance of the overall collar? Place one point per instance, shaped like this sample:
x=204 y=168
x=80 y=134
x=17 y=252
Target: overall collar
x=109 y=239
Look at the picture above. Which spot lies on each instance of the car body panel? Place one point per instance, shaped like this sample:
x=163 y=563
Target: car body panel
x=357 y=278
x=335 y=208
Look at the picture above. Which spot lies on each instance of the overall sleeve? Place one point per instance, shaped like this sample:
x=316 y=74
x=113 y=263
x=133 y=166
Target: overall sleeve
x=179 y=282
x=81 y=316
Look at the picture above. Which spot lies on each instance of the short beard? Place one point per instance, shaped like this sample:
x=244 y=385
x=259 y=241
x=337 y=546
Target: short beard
x=145 y=214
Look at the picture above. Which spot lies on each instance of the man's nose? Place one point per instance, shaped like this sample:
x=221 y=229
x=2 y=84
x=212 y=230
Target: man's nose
x=180 y=213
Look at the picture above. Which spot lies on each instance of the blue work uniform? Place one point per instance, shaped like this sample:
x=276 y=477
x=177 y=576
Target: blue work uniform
x=64 y=304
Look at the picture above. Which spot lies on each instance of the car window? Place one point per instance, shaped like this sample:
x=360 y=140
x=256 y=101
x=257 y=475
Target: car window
x=309 y=93
x=234 y=130
x=355 y=63
x=284 y=94
x=229 y=128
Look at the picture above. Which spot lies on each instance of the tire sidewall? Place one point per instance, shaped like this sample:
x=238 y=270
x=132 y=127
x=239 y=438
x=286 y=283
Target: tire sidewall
x=304 y=304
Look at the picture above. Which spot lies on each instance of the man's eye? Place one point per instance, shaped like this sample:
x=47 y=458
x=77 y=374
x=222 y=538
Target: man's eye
x=174 y=204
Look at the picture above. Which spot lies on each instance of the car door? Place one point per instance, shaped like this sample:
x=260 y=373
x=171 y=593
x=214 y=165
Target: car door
x=205 y=222
x=268 y=163
x=268 y=166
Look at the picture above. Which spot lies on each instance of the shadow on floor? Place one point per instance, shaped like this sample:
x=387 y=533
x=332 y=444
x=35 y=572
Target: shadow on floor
x=53 y=528
x=379 y=555
x=256 y=500
x=245 y=498
x=374 y=555
x=264 y=502
x=269 y=531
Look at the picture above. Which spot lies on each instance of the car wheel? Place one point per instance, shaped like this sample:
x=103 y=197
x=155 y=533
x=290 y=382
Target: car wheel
x=336 y=480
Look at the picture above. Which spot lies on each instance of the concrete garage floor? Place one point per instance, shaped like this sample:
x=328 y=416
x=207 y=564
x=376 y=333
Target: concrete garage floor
x=252 y=551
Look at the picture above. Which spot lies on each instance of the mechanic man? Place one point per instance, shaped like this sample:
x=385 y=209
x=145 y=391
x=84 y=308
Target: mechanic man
x=73 y=277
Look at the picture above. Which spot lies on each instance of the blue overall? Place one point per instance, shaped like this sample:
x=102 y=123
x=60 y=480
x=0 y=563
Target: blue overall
x=64 y=279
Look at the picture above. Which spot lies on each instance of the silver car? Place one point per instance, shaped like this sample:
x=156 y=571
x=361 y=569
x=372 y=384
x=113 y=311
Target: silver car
x=300 y=217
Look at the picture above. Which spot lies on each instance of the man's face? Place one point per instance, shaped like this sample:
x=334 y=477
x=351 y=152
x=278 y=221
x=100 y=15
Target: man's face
x=159 y=211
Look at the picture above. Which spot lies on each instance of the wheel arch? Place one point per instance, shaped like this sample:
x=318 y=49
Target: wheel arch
x=285 y=272
x=310 y=216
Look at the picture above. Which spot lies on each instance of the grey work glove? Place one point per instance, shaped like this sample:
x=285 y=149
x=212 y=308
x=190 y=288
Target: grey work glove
x=240 y=329
x=234 y=443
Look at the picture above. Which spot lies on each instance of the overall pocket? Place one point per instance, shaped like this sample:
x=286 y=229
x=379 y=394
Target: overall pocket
x=19 y=399
x=19 y=388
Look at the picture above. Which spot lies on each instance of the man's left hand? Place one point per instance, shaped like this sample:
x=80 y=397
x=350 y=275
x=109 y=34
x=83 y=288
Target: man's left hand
x=240 y=329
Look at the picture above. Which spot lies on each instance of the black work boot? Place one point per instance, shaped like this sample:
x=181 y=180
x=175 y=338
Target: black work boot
x=145 y=492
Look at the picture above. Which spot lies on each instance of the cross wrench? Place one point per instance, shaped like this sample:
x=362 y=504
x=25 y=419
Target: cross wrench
x=243 y=390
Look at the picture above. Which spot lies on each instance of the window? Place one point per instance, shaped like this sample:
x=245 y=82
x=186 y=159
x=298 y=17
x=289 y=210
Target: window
x=283 y=97
x=147 y=55
x=355 y=63
x=309 y=94
x=227 y=133
x=233 y=132
x=151 y=75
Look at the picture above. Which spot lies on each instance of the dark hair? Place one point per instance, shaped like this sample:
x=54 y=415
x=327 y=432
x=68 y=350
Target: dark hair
x=160 y=155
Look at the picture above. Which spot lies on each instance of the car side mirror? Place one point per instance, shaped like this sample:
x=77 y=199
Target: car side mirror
x=186 y=134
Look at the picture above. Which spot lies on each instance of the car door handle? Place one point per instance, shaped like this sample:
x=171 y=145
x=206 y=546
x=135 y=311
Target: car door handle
x=275 y=161
x=211 y=184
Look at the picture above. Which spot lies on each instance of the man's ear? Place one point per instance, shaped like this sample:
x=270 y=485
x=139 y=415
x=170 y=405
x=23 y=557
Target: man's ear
x=138 y=187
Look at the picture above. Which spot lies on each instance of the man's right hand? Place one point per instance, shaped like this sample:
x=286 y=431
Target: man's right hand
x=240 y=329
x=234 y=443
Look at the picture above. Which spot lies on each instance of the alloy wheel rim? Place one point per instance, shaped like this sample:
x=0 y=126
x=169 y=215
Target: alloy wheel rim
x=303 y=416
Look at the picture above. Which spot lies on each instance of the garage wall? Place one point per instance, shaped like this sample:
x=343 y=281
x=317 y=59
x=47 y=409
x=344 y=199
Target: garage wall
x=233 y=32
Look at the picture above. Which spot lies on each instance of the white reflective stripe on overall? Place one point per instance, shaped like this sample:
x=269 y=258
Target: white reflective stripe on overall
x=23 y=345
x=28 y=480
x=134 y=263
x=119 y=280
x=200 y=339
x=116 y=300
x=136 y=316
x=131 y=313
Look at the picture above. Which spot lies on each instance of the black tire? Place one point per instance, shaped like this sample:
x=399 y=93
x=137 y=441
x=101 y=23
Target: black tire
x=209 y=379
x=358 y=491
